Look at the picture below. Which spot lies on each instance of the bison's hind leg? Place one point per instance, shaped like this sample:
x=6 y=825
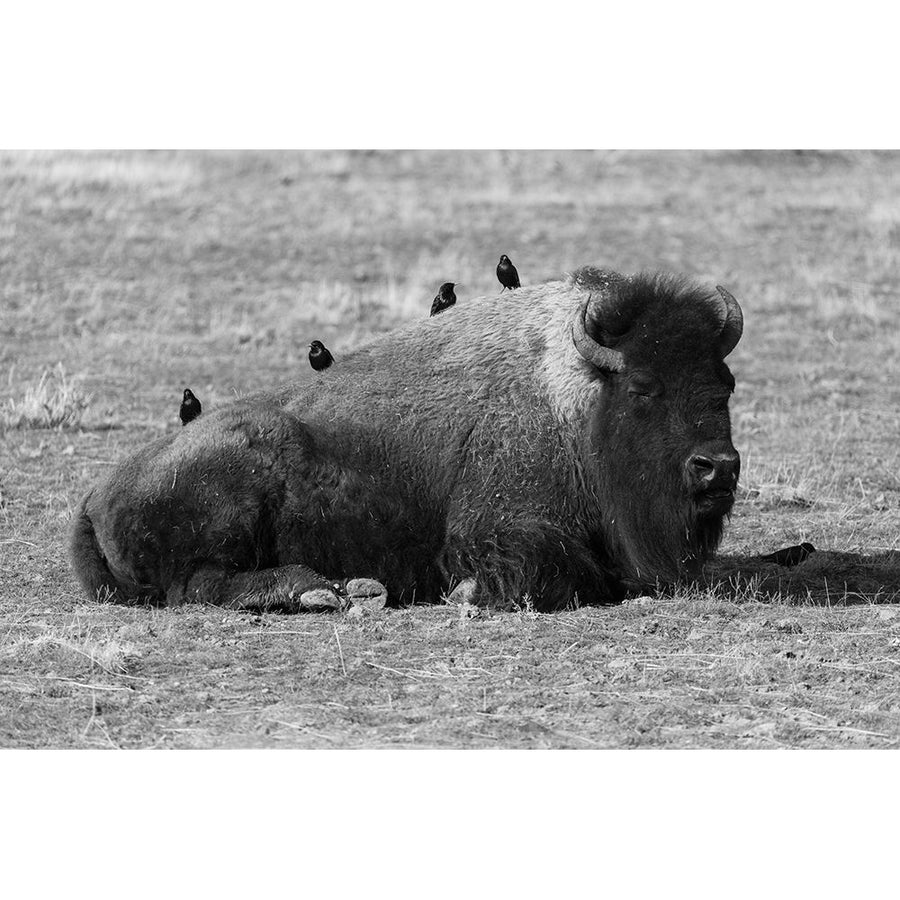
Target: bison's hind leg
x=280 y=589
x=284 y=588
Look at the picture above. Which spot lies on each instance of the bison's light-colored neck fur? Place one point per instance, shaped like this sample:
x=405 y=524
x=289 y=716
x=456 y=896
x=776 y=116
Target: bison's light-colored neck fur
x=518 y=343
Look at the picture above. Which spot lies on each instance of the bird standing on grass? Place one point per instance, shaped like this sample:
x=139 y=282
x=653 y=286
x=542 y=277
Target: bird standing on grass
x=507 y=274
x=791 y=556
x=190 y=407
x=445 y=298
x=319 y=356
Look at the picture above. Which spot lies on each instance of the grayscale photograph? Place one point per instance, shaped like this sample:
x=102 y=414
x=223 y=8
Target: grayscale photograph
x=449 y=450
x=514 y=449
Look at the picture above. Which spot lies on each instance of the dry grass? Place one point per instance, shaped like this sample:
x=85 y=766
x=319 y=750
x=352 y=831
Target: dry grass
x=54 y=401
x=145 y=272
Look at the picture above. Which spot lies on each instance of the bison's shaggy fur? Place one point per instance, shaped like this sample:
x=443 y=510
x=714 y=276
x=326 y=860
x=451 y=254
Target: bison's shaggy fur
x=478 y=443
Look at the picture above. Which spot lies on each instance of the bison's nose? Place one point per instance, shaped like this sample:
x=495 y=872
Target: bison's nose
x=714 y=471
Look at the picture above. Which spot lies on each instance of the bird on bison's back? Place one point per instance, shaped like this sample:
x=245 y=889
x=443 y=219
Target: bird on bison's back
x=445 y=298
x=507 y=274
x=190 y=407
x=569 y=448
x=319 y=356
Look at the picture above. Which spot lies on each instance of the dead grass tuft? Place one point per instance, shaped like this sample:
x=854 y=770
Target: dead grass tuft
x=68 y=651
x=55 y=401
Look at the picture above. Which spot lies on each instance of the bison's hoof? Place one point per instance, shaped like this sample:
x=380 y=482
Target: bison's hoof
x=319 y=599
x=367 y=593
x=464 y=592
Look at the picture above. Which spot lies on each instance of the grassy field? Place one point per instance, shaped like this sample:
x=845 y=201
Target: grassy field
x=125 y=277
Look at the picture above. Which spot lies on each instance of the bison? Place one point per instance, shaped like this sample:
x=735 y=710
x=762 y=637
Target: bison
x=560 y=443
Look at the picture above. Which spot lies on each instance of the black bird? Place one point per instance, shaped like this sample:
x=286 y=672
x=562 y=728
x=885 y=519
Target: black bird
x=190 y=407
x=791 y=556
x=445 y=298
x=319 y=356
x=507 y=274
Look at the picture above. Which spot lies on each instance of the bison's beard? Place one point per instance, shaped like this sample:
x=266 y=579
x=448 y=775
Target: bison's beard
x=656 y=532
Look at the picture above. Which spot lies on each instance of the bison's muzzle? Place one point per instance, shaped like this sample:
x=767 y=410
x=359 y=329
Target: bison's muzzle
x=712 y=476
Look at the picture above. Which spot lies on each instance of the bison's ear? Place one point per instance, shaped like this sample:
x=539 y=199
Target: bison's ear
x=604 y=358
x=734 y=323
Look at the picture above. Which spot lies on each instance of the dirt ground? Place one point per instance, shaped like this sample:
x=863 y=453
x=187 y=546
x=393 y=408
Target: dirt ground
x=141 y=273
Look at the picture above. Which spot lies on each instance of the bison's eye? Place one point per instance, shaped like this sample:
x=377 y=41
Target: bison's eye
x=644 y=387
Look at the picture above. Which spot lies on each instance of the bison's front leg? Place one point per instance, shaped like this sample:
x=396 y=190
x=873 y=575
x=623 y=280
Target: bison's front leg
x=533 y=561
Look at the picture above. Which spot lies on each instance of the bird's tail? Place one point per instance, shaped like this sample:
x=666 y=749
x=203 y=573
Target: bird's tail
x=88 y=561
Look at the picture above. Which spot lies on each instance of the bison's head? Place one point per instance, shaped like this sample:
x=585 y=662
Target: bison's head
x=661 y=431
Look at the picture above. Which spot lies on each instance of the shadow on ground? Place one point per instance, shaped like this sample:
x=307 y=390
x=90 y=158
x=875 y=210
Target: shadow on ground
x=829 y=578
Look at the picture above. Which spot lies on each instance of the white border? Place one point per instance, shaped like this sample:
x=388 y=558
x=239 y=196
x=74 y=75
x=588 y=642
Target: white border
x=487 y=74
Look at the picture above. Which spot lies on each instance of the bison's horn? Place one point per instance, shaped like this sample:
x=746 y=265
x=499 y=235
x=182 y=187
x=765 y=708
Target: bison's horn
x=734 y=323
x=604 y=358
